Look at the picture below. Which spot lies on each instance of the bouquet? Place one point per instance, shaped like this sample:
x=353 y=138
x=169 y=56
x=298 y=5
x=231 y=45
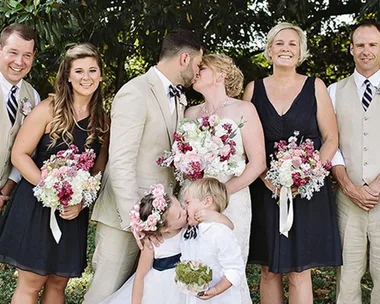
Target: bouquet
x=193 y=277
x=66 y=181
x=296 y=166
x=204 y=147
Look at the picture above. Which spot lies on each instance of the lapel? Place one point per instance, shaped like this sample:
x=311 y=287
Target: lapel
x=181 y=104
x=4 y=109
x=162 y=100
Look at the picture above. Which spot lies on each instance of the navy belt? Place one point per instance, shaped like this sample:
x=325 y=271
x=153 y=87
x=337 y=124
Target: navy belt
x=166 y=263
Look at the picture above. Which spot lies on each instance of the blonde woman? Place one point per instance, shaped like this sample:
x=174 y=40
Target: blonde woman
x=220 y=81
x=286 y=102
x=73 y=116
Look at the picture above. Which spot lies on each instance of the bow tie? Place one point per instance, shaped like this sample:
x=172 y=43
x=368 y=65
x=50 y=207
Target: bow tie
x=191 y=232
x=175 y=91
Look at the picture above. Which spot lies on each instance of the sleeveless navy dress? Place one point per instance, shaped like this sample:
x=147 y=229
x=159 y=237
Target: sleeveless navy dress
x=27 y=241
x=314 y=237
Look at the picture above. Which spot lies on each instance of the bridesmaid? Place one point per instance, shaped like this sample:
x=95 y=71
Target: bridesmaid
x=73 y=116
x=287 y=101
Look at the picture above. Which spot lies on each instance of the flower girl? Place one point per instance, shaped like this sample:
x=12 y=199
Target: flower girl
x=158 y=214
x=212 y=243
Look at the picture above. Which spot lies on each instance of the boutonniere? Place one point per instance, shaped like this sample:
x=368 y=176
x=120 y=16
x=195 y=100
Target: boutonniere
x=26 y=107
x=183 y=100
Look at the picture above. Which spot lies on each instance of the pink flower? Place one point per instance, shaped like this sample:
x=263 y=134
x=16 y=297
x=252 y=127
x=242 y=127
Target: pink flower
x=225 y=150
x=44 y=173
x=151 y=221
x=55 y=173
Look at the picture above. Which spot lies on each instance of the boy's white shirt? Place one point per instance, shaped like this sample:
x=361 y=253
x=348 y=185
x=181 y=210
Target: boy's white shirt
x=217 y=247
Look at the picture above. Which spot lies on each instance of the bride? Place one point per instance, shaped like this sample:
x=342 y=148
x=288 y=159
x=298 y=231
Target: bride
x=219 y=81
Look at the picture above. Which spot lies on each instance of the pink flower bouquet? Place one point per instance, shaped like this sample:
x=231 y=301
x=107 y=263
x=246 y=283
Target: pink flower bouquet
x=204 y=147
x=66 y=181
x=298 y=166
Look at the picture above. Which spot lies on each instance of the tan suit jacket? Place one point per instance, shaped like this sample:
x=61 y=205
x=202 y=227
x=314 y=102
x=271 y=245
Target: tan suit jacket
x=8 y=132
x=141 y=130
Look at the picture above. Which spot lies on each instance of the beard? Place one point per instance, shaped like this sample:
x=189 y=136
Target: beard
x=188 y=76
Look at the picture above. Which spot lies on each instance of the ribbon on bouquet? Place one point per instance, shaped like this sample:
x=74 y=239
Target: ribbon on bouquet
x=286 y=213
x=54 y=226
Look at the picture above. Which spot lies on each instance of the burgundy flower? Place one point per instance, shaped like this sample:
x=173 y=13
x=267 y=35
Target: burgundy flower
x=298 y=180
x=64 y=192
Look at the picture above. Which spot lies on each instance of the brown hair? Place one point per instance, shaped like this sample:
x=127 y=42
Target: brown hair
x=146 y=209
x=225 y=64
x=364 y=23
x=178 y=41
x=209 y=186
x=63 y=121
x=24 y=31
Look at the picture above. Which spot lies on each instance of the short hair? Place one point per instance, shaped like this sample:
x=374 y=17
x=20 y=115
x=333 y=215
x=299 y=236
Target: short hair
x=304 y=53
x=225 y=64
x=209 y=186
x=177 y=41
x=24 y=31
x=363 y=23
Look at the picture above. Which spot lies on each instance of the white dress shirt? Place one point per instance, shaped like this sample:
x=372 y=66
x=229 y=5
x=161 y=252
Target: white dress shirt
x=361 y=87
x=217 y=247
x=6 y=89
x=166 y=83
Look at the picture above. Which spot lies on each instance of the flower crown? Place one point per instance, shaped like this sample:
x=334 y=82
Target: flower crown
x=159 y=207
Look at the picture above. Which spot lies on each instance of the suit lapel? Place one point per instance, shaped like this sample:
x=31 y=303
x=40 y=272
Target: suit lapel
x=162 y=100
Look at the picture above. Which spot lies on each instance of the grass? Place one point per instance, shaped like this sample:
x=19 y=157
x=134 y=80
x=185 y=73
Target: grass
x=323 y=281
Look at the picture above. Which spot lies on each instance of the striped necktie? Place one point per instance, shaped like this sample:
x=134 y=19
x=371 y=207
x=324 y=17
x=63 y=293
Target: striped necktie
x=12 y=105
x=367 y=96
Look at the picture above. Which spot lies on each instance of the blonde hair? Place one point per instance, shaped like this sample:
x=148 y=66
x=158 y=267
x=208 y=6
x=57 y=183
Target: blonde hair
x=304 y=53
x=224 y=64
x=209 y=186
x=63 y=122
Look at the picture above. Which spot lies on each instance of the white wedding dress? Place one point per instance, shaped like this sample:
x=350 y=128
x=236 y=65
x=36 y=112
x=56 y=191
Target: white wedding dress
x=238 y=211
x=159 y=286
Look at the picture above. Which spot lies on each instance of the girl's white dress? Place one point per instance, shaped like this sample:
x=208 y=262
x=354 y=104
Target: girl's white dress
x=159 y=286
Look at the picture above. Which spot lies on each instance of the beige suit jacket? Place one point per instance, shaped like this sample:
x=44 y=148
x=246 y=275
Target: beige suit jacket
x=141 y=130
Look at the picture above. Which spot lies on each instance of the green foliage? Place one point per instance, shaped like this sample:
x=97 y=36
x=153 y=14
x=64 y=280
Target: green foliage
x=129 y=33
x=191 y=272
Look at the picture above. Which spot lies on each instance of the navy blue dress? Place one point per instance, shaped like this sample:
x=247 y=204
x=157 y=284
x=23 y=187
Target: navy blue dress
x=27 y=241
x=314 y=237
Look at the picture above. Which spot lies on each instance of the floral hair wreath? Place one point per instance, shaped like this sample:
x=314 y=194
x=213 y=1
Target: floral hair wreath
x=159 y=207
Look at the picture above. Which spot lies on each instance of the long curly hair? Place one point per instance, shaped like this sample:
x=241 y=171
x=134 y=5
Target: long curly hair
x=63 y=122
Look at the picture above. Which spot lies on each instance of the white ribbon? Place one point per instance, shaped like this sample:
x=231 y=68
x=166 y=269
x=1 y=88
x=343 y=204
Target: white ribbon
x=286 y=214
x=54 y=226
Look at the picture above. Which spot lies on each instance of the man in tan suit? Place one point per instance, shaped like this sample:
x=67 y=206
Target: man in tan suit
x=357 y=165
x=145 y=113
x=17 y=42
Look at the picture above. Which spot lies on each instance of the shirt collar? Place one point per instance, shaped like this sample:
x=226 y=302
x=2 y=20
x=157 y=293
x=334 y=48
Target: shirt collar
x=204 y=226
x=165 y=81
x=374 y=79
x=6 y=85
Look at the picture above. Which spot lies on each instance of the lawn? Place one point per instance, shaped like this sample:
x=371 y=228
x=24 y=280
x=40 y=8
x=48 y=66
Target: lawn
x=323 y=282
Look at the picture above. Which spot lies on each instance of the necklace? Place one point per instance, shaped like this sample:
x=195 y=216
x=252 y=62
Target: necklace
x=212 y=112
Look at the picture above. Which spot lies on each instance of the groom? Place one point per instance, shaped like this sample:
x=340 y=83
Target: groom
x=145 y=113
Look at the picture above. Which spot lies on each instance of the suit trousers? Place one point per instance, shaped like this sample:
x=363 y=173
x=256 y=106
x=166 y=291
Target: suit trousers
x=359 y=230
x=114 y=261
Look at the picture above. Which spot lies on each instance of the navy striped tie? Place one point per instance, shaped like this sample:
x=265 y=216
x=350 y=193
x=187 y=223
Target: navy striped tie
x=367 y=96
x=12 y=105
